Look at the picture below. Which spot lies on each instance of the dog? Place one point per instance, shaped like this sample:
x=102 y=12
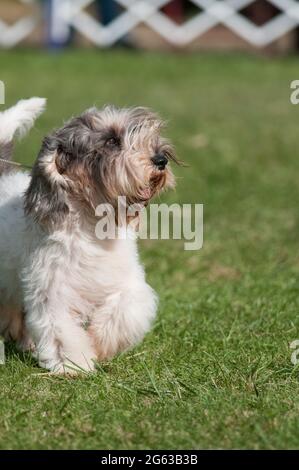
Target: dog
x=65 y=295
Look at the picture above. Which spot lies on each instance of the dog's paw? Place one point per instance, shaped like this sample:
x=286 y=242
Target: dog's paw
x=72 y=370
x=68 y=368
x=26 y=345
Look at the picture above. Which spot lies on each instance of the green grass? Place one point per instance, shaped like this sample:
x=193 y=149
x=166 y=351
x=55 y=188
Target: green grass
x=215 y=371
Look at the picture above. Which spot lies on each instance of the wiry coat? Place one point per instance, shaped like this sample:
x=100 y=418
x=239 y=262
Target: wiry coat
x=68 y=296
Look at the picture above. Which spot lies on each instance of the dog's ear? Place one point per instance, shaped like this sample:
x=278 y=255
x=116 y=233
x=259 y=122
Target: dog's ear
x=46 y=196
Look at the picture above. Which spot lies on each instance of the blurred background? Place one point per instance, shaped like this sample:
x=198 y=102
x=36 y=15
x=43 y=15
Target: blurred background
x=268 y=25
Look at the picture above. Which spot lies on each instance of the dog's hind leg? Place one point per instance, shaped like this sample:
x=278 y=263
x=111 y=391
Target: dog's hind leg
x=12 y=326
x=11 y=322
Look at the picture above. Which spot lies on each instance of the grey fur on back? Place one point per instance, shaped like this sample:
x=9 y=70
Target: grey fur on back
x=6 y=152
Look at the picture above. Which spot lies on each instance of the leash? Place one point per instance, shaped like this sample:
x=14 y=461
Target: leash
x=19 y=165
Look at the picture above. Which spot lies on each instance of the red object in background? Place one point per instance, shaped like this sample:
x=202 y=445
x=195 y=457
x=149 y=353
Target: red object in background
x=175 y=10
x=260 y=12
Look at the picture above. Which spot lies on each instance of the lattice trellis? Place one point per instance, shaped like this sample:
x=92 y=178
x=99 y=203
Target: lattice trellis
x=212 y=12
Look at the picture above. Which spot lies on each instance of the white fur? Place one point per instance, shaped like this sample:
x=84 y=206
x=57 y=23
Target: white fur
x=84 y=299
x=20 y=118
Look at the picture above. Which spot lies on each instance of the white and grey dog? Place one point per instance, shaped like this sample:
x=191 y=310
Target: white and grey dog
x=64 y=294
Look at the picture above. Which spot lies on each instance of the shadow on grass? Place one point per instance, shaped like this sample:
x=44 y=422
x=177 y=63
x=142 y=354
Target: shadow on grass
x=13 y=353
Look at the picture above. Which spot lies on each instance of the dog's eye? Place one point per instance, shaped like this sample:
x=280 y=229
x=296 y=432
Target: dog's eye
x=112 y=142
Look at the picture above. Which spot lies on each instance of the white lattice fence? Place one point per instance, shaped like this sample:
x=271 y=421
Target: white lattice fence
x=72 y=13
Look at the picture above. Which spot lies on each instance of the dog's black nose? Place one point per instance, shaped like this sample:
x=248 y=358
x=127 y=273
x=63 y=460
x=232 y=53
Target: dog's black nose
x=160 y=161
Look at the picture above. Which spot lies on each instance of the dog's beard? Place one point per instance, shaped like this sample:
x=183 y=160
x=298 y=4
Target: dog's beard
x=136 y=179
x=156 y=184
x=141 y=191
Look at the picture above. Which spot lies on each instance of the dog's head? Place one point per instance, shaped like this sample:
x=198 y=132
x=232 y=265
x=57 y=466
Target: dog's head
x=95 y=158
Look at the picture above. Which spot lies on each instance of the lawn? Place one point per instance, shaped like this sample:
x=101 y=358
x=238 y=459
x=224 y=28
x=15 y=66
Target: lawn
x=215 y=371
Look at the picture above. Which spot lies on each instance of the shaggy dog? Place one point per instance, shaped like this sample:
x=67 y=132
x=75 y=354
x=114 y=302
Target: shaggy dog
x=67 y=296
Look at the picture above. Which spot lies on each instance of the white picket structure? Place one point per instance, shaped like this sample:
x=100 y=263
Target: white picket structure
x=11 y=35
x=213 y=12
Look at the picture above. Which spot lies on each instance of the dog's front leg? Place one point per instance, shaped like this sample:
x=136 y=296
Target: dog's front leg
x=123 y=319
x=62 y=345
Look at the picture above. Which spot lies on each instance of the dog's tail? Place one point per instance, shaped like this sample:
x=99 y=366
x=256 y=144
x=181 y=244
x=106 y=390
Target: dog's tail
x=16 y=121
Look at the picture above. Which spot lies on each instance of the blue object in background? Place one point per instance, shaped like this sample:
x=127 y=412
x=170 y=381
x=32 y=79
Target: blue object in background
x=58 y=32
x=108 y=10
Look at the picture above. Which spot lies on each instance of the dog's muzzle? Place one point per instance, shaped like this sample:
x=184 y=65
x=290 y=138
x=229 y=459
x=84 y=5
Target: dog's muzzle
x=160 y=161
